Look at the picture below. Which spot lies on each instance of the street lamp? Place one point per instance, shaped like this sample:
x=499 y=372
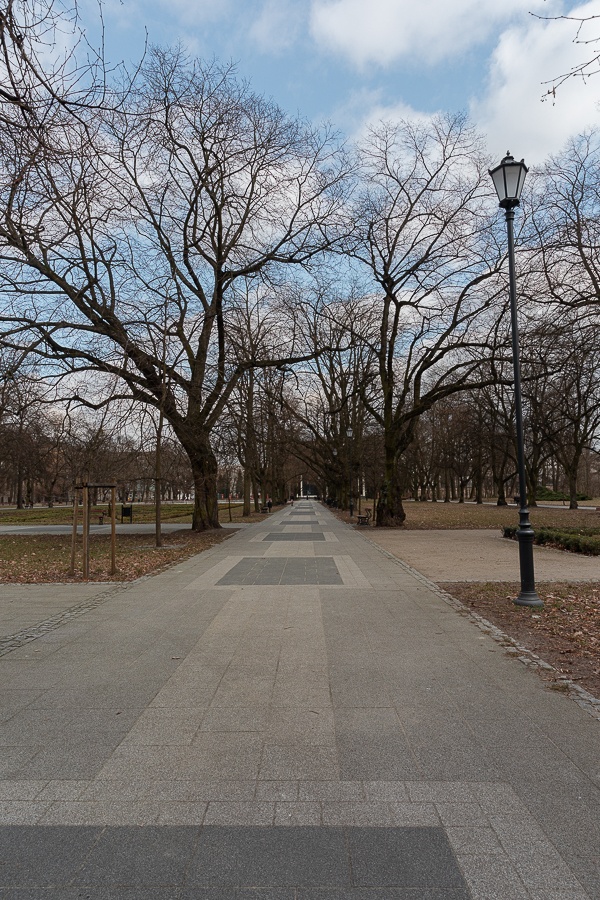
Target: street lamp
x=508 y=179
x=349 y=433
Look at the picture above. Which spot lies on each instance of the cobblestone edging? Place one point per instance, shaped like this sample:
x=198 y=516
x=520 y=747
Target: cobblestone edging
x=530 y=659
x=20 y=638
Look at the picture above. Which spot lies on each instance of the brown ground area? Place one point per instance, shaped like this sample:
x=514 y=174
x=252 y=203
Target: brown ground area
x=41 y=558
x=565 y=633
x=487 y=515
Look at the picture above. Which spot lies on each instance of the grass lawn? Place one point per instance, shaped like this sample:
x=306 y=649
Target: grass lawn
x=487 y=515
x=171 y=513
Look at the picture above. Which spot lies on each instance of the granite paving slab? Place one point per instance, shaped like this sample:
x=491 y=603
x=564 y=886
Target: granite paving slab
x=227 y=859
x=284 y=571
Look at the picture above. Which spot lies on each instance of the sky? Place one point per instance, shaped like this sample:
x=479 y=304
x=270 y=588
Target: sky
x=355 y=62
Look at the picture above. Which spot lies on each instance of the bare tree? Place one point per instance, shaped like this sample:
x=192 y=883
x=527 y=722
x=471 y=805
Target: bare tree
x=575 y=392
x=564 y=228
x=424 y=234
x=328 y=401
x=585 y=34
x=166 y=199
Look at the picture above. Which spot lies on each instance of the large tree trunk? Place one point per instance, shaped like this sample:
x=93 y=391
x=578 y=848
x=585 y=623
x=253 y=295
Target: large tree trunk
x=247 y=491
x=390 y=511
x=572 y=475
x=19 y=486
x=204 y=473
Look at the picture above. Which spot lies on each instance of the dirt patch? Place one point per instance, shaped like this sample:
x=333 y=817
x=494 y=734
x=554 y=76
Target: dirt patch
x=565 y=633
x=40 y=559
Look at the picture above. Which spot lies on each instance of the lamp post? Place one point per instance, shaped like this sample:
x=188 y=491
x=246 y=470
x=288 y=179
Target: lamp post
x=508 y=178
x=349 y=434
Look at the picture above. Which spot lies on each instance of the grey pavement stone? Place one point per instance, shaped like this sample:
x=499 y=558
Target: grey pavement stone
x=442 y=791
x=277 y=790
x=181 y=813
x=270 y=857
x=39 y=856
x=130 y=789
x=408 y=857
x=165 y=727
x=385 y=757
x=21 y=790
x=557 y=892
x=386 y=790
x=212 y=763
x=365 y=813
x=101 y=812
x=207 y=893
x=144 y=856
x=491 y=877
x=62 y=790
x=22 y=812
x=388 y=893
x=239 y=813
x=414 y=814
x=299 y=763
x=300 y=726
x=475 y=840
x=340 y=791
x=194 y=789
x=236 y=718
x=299 y=813
x=136 y=763
x=456 y=814
x=13 y=760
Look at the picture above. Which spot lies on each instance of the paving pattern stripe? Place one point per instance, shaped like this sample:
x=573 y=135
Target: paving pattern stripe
x=229 y=858
x=283 y=571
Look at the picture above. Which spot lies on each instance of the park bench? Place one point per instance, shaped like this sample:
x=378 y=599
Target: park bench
x=100 y=513
x=364 y=519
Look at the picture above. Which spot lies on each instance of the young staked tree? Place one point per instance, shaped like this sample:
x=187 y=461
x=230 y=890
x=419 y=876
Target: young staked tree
x=423 y=229
x=127 y=225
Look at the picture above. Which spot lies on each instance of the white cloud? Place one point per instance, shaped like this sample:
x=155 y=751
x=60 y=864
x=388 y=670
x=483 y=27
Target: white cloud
x=382 y=31
x=278 y=25
x=511 y=113
x=366 y=111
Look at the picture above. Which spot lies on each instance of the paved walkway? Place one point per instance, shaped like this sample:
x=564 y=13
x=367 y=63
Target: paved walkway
x=479 y=555
x=291 y=715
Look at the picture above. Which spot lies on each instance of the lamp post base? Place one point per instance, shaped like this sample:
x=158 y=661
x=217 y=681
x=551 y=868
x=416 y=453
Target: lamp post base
x=527 y=595
x=529 y=598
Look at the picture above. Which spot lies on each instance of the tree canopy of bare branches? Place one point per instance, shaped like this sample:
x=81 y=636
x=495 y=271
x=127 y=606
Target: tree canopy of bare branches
x=424 y=234
x=127 y=235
